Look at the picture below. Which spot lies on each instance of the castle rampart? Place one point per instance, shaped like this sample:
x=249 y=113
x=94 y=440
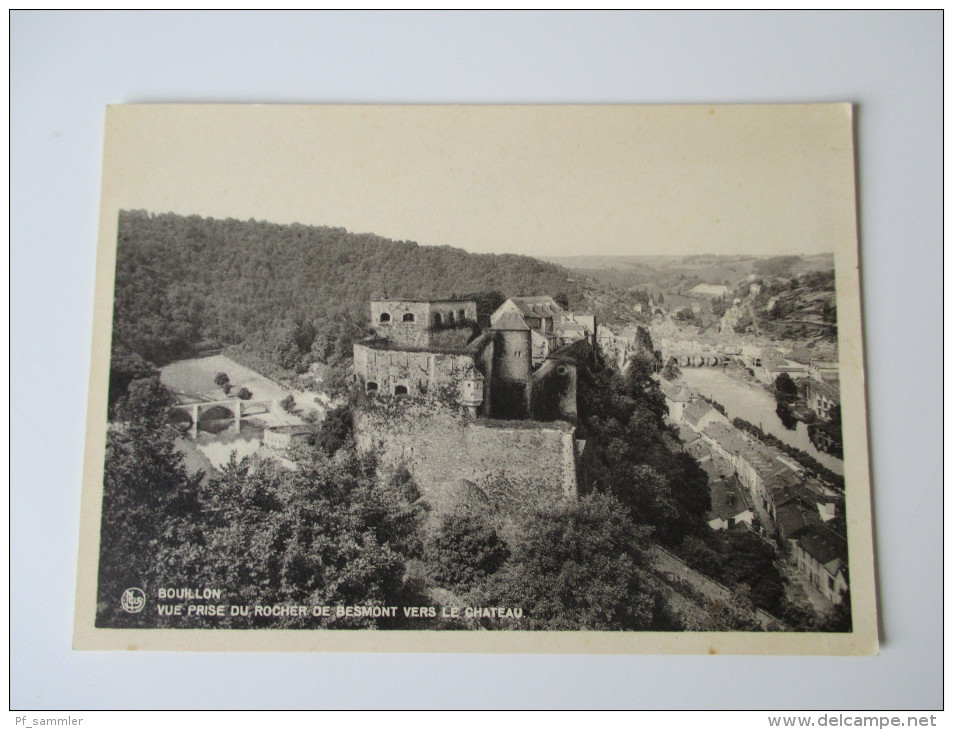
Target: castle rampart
x=512 y=462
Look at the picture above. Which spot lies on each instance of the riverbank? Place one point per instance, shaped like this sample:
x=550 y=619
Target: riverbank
x=753 y=403
x=195 y=377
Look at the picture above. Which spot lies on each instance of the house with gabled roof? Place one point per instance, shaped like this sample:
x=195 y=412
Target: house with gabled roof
x=677 y=396
x=821 y=557
x=550 y=326
x=730 y=504
x=698 y=415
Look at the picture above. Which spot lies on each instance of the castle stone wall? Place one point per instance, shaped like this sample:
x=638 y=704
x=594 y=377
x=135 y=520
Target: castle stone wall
x=408 y=323
x=408 y=334
x=427 y=375
x=511 y=463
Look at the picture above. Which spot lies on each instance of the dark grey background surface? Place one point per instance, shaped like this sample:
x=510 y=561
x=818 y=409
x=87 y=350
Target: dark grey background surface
x=65 y=67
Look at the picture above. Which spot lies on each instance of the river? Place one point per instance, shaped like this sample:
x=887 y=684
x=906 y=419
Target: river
x=217 y=440
x=755 y=405
x=217 y=448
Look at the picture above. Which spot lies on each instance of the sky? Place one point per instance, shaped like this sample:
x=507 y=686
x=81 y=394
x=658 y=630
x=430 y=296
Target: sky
x=537 y=180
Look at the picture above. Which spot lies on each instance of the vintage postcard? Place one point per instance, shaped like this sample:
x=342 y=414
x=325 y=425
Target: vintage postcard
x=485 y=379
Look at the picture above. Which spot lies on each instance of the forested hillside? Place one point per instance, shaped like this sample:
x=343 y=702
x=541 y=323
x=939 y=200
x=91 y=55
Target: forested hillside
x=287 y=294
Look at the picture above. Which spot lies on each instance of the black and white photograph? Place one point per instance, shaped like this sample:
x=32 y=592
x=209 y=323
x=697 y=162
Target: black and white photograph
x=478 y=379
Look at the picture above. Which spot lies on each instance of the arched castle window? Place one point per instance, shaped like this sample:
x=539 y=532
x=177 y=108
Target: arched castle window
x=408 y=317
x=461 y=315
x=450 y=318
x=371 y=386
x=385 y=317
x=400 y=390
x=437 y=319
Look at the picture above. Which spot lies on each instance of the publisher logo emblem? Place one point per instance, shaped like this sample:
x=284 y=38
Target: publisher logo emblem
x=133 y=600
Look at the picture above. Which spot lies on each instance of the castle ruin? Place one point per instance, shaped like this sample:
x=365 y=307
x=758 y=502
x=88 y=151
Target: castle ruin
x=494 y=409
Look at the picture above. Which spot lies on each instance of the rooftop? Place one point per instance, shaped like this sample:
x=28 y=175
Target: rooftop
x=822 y=387
x=542 y=306
x=510 y=321
x=675 y=392
x=825 y=546
x=728 y=498
x=423 y=301
x=726 y=436
x=795 y=517
x=695 y=410
x=293 y=430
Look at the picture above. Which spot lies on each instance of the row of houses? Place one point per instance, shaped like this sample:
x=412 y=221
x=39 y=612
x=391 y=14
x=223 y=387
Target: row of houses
x=804 y=516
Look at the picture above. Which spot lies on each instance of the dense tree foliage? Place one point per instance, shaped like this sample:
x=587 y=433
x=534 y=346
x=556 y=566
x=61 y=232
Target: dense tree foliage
x=578 y=565
x=776 y=265
x=671 y=371
x=289 y=294
x=125 y=367
x=466 y=548
x=330 y=533
x=622 y=416
x=736 y=558
x=335 y=431
x=148 y=499
x=785 y=388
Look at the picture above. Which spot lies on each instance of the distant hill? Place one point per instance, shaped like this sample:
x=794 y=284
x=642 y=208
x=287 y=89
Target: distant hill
x=615 y=285
x=287 y=294
x=627 y=271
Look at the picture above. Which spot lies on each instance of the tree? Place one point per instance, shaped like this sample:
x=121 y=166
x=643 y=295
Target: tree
x=124 y=367
x=785 y=388
x=330 y=533
x=148 y=500
x=245 y=394
x=288 y=403
x=222 y=381
x=671 y=371
x=337 y=430
x=146 y=401
x=577 y=565
x=465 y=549
x=786 y=415
x=737 y=558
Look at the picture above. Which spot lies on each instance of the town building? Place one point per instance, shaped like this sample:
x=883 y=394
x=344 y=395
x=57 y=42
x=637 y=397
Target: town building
x=773 y=363
x=730 y=505
x=824 y=367
x=709 y=291
x=550 y=326
x=821 y=557
x=284 y=438
x=677 y=396
x=822 y=397
x=699 y=415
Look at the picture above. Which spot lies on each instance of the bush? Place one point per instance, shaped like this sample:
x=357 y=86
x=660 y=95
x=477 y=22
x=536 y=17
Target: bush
x=465 y=550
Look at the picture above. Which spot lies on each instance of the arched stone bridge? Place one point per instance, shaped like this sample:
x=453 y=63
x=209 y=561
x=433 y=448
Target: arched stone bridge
x=235 y=408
